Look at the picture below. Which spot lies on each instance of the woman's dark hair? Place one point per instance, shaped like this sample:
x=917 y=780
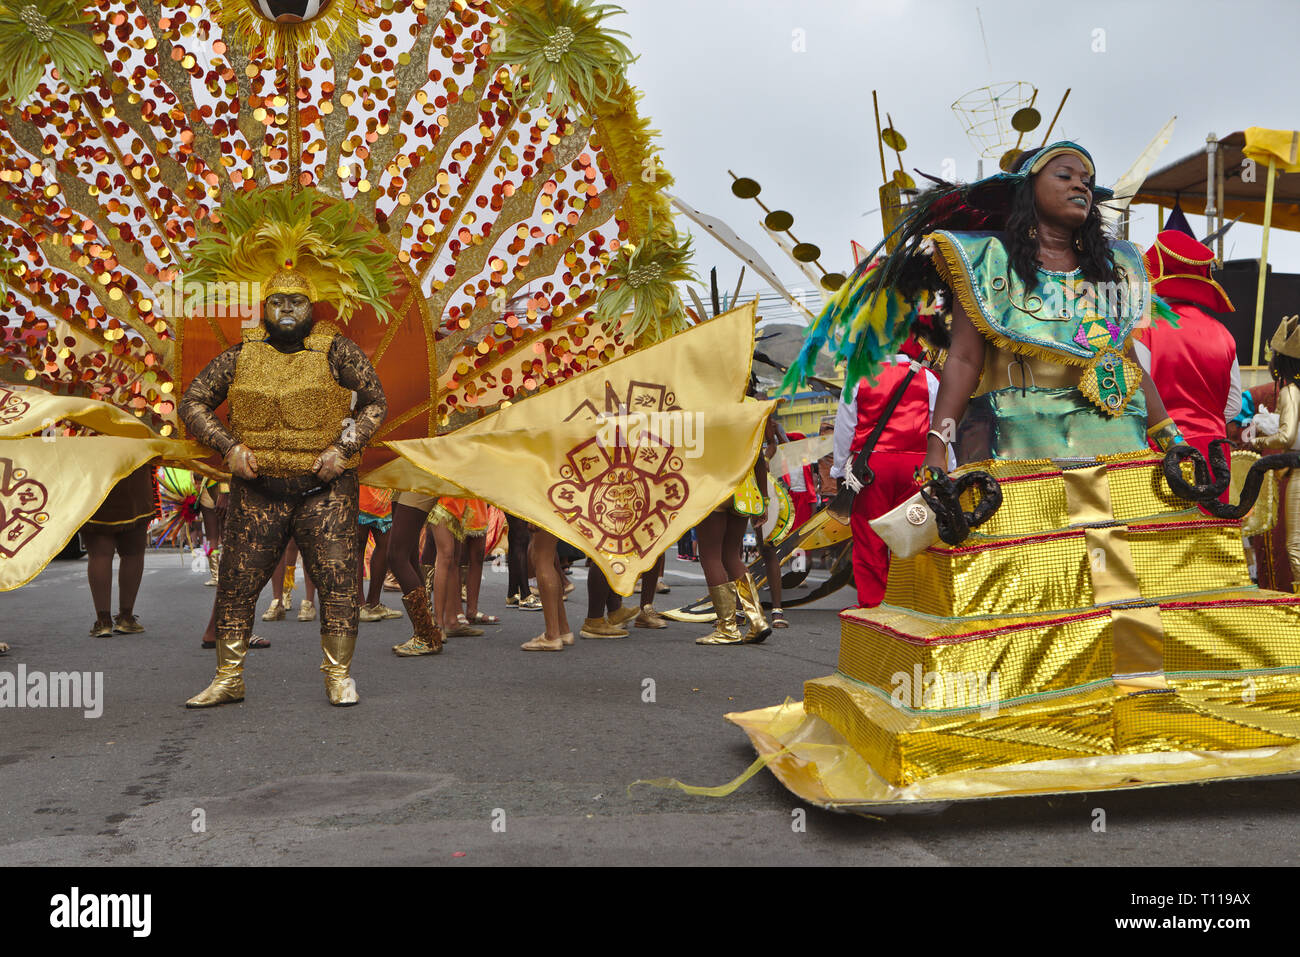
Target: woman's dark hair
x=1095 y=257
x=1284 y=369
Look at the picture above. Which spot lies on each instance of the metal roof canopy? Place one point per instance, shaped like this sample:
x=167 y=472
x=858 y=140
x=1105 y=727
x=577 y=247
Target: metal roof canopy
x=1185 y=182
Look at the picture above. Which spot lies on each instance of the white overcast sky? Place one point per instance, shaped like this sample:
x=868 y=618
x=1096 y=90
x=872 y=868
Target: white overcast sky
x=727 y=88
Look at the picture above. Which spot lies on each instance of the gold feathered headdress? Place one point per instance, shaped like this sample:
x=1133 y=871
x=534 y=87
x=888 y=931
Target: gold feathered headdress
x=275 y=241
x=1286 y=341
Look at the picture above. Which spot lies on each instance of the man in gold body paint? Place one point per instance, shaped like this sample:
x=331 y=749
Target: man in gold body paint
x=293 y=447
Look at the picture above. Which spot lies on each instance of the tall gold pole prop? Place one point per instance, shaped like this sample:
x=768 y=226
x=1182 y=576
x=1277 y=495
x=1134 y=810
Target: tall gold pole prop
x=1263 y=265
x=1052 y=125
x=880 y=142
x=291 y=126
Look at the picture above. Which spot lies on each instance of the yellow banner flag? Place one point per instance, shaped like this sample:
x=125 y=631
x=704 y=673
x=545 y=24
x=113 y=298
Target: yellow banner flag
x=26 y=411
x=1282 y=147
x=50 y=485
x=620 y=461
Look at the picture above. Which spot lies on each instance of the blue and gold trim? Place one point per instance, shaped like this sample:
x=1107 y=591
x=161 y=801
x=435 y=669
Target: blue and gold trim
x=1063 y=318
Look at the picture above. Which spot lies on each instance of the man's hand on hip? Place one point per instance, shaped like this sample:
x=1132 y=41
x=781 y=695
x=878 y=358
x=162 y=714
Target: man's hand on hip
x=241 y=462
x=330 y=464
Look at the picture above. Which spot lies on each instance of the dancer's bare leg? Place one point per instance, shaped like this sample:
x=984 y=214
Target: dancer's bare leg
x=541 y=553
x=404 y=547
x=211 y=526
x=710 y=534
x=650 y=581
x=131 y=545
x=446 y=578
x=277 y=576
x=475 y=546
x=733 y=542
x=99 y=571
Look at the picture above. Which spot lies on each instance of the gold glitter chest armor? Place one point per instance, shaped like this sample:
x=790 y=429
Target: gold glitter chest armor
x=287 y=408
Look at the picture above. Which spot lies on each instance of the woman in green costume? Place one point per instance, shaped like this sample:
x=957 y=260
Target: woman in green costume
x=1041 y=323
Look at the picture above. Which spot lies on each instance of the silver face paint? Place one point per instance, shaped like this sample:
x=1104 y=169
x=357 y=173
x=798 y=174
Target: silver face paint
x=287 y=316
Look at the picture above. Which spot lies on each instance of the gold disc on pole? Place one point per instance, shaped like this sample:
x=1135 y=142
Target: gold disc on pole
x=1026 y=119
x=894 y=139
x=904 y=180
x=778 y=220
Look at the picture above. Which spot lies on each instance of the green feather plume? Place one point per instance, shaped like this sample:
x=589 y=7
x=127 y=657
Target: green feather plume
x=560 y=47
x=37 y=33
x=644 y=282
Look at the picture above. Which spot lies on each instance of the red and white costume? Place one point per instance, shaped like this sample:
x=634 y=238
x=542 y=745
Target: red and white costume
x=803 y=492
x=1195 y=370
x=1194 y=367
x=894 y=460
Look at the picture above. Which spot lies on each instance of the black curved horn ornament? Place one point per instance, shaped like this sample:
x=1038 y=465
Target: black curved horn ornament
x=943 y=495
x=1205 y=493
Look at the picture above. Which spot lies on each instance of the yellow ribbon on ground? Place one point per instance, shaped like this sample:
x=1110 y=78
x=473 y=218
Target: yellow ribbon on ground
x=620 y=461
x=27 y=411
x=50 y=485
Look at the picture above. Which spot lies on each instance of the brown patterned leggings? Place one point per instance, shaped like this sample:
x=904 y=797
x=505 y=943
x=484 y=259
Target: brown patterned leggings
x=258 y=528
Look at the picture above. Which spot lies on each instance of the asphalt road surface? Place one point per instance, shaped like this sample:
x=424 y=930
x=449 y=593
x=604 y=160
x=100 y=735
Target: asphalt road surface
x=489 y=755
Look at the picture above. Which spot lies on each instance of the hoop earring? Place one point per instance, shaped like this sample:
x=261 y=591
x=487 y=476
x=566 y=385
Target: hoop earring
x=1078 y=244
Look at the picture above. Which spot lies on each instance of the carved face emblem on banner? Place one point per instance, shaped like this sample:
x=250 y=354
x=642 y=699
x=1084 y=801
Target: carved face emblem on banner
x=621 y=488
x=618 y=500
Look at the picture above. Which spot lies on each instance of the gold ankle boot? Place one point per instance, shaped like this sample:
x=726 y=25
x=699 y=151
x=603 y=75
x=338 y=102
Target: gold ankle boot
x=339 y=684
x=228 y=686
x=725 y=630
x=427 y=639
x=759 y=629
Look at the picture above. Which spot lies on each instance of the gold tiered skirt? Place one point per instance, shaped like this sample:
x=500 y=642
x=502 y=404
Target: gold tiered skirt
x=1096 y=632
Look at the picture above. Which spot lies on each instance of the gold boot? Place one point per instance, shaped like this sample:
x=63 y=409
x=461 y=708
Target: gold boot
x=725 y=630
x=759 y=629
x=427 y=639
x=426 y=575
x=228 y=686
x=339 y=684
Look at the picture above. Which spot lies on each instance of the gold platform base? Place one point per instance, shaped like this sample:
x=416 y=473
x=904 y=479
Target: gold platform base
x=816 y=763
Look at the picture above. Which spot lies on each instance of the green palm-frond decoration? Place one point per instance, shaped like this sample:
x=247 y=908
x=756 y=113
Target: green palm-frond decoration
x=36 y=33
x=643 y=280
x=7 y=262
x=263 y=231
x=561 y=48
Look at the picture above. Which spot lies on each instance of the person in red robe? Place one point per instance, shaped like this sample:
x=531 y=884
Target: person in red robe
x=1193 y=366
x=897 y=454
